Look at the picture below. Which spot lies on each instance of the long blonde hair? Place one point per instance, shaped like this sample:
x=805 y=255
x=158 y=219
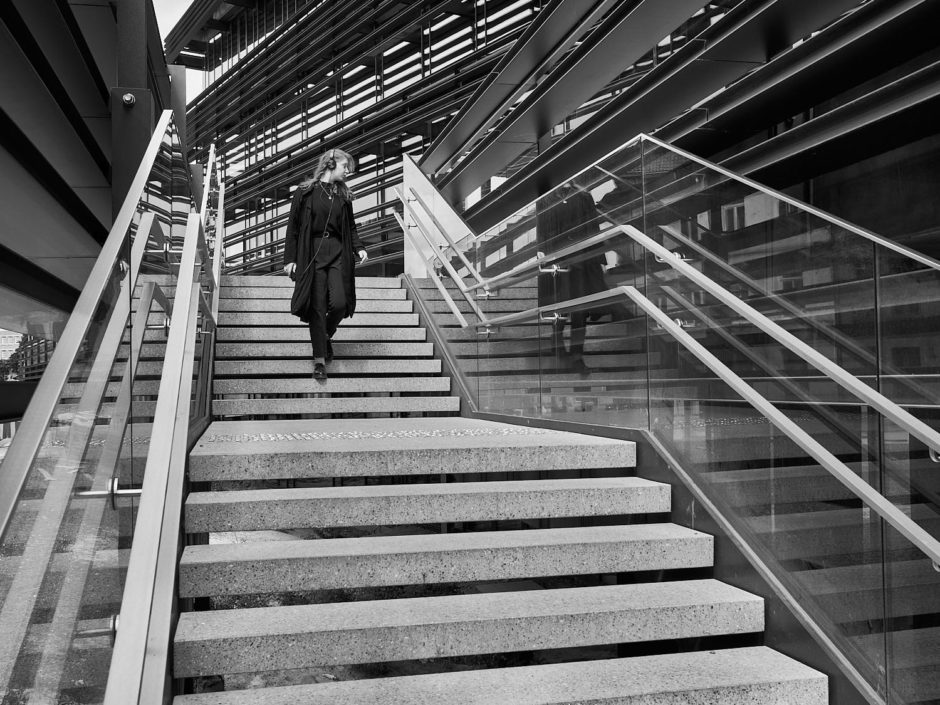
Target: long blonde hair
x=335 y=154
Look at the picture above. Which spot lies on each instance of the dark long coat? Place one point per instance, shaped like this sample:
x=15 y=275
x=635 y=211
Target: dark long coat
x=560 y=224
x=298 y=248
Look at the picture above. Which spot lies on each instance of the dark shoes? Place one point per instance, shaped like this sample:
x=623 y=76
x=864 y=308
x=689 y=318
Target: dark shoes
x=577 y=365
x=319 y=371
x=329 y=351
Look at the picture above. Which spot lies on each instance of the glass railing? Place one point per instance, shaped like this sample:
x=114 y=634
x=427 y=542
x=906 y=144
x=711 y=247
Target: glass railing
x=828 y=323
x=140 y=670
x=71 y=477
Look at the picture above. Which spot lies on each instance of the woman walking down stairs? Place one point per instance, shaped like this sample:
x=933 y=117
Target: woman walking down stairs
x=379 y=558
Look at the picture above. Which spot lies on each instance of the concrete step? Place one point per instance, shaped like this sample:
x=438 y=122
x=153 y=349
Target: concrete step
x=526 y=294
x=282 y=281
x=284 y=293
x=628 y=409
x=562 y=382
x=830 y=535
x=284 y=318
x=855 y=593
x=914 y=672
x=622 y=331
x=532 y=347
x=631 y=327
x=105 y=571
x=148 y=351
x=494 y=306
x=427 y=284
x=366 y=306
x=304 y=367
x=333 y=385
x=257 y=639
x=64 y=413
x=302 y=333
x=284 y=566
x=747 y=676
x=383 y=327
x=341 y=350
x=599 y=362
x=245 y=450
x=146 y=387
x=387 y=505
x=802 y=483
x=335 y=405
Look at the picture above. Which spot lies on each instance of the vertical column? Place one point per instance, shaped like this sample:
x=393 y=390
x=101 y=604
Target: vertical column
x=132 y=107
x=178 y=101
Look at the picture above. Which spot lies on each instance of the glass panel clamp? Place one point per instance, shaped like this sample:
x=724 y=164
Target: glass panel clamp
x=113 y=492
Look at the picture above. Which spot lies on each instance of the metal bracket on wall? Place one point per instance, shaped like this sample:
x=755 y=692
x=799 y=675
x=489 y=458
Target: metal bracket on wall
x=109 y=631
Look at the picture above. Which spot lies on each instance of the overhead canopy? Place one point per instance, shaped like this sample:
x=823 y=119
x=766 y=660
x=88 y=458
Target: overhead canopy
x=620 y=38
x=186 y=44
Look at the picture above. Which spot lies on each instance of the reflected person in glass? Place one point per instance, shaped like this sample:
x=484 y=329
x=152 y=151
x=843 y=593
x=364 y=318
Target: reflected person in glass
x=319 y=257
x=567 y=216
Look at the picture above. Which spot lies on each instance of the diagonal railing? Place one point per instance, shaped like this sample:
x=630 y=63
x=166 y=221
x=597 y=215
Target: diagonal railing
x=140 y=669
x=65 y=482
x=663 y=292
x=927 y=544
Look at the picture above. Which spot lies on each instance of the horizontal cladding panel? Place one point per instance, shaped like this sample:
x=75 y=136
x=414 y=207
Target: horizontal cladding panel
x=65 y=250
x=387 y=30
x=617 y=42
x=802 y=77
x=733 y=45
x=390 y=116
x=30 y=104
x=265 y=66
x=52 y=33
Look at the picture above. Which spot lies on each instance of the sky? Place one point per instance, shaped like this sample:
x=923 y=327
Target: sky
x=168 y=13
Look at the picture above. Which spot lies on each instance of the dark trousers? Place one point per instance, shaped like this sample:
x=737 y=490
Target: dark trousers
x=329 y=295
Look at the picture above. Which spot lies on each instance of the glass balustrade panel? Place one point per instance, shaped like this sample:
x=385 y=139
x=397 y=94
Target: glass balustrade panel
x=594 y=361
x=508 y=375
x=810 y=529
x=64 y=553
x=910 y=629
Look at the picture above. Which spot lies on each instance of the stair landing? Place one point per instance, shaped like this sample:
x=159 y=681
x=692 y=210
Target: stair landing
x=234 y=450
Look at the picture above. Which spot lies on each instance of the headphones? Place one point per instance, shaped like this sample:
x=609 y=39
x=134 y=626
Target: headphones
x=331 y=162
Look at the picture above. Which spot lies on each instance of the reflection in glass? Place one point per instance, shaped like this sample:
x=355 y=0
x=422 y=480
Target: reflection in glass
x=64 y=554
x=862 y=302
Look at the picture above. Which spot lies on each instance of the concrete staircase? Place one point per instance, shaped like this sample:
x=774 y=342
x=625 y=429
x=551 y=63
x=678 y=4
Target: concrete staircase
x=383 y=364
x=446 y=559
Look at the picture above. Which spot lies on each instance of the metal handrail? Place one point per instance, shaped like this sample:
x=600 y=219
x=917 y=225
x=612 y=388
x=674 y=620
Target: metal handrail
x=219 y=254
x=132 y=645
x=27 y=441
x=861 y=489
x=830 y=332
x=889 y=409
x=156 y=667
x=211 y=167
x=836 y=373
x=443 y=231
x=444 y=261
x=524 y=271
x=416 y=170
x=530 y=267
x=571 y=304
x=823 y=215
x=448 y=299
